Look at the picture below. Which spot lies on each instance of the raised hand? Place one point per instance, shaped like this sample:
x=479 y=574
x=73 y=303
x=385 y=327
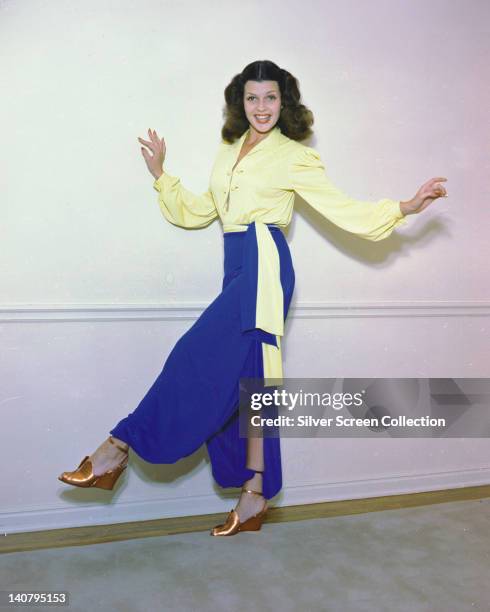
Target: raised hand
x=154 y=162
x=429 y=192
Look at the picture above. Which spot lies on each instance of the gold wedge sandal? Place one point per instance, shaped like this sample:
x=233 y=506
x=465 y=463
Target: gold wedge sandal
x=84 y=476
x=232 y=524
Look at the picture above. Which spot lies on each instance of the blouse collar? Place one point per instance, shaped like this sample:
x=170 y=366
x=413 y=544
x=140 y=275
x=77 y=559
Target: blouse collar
x=271 y=140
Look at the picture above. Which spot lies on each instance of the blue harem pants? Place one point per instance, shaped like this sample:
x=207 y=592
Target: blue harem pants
x=195 y=398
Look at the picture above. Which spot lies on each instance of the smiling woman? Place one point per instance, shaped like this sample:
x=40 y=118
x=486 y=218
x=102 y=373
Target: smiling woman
x=262 y=105
x=265 y=89
x=259 y=167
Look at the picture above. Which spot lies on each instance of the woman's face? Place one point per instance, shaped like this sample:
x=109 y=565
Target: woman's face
x=262 y=104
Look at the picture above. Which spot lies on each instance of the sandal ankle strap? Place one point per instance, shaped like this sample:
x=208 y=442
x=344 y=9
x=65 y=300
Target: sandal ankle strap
x=250 y=491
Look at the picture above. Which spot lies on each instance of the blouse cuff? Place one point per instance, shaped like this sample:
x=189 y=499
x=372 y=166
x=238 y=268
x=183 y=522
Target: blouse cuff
x=398 y=216
x=164 y=182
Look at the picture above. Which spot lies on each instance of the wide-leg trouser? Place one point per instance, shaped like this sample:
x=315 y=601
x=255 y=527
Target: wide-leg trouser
x=194 y=400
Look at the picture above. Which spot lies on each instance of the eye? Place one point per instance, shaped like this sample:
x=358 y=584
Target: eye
x=272 y=97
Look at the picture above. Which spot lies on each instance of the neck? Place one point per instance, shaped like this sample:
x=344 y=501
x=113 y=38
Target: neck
x=254 y=136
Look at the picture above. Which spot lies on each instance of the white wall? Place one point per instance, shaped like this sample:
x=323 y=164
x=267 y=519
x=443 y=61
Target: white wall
x=398 y=91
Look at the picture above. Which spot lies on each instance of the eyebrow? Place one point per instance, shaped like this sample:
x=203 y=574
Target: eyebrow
x=270 y=91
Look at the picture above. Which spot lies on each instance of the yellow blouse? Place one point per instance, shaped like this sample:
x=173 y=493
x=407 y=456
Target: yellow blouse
x=261 y=190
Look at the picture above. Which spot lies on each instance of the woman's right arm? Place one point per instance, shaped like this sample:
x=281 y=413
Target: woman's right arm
x=182 y=207
x=178 y=205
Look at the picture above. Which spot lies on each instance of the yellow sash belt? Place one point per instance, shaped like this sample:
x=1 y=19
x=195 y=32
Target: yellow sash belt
x=269 y=307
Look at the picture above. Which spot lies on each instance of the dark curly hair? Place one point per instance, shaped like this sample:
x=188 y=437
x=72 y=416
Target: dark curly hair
x=295 y=118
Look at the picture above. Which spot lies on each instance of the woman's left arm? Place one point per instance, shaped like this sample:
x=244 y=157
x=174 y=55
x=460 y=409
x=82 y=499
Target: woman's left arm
x=367 y=219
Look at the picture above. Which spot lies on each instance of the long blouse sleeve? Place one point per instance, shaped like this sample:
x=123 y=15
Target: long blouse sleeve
x=182 y=207
x=367 y=219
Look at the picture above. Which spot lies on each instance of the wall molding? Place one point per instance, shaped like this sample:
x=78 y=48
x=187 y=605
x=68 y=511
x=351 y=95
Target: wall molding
x=98 y=512
x=38 y=313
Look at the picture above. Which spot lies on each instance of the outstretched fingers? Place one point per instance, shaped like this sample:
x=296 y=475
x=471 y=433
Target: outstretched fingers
x=155 y=139
x=155 y=144
x=147 y=143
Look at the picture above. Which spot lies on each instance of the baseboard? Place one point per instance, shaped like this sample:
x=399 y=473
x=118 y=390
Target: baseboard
x=33 y=528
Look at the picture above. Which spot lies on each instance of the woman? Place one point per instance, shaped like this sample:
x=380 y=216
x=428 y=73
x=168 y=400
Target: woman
x=259 y=167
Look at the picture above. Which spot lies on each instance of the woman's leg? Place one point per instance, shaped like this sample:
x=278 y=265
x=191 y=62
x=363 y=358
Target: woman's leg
x=255 y=454
x=248 y=504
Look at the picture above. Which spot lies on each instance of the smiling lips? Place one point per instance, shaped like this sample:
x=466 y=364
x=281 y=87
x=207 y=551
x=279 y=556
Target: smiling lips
x=262 y=118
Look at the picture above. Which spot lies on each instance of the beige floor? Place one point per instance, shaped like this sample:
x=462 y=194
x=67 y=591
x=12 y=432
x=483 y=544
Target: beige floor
x=433 y=558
